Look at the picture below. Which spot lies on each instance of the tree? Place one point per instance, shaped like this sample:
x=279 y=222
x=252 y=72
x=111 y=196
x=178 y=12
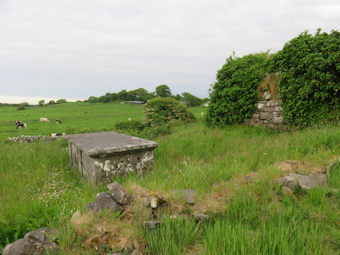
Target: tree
x=61 y=101
x=191 y=100
x=92 y=99
x=41 y=102
x=51 y=102
x=163 y=91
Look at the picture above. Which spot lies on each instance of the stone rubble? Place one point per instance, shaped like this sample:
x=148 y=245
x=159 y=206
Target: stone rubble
x=36 y=242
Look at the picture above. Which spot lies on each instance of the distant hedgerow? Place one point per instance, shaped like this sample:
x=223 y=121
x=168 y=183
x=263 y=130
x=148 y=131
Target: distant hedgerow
x=310 y=78
x=234 y=94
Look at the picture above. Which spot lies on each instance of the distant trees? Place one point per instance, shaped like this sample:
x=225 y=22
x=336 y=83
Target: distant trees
x=41 y=102
x=61 y=101
x=142 y=94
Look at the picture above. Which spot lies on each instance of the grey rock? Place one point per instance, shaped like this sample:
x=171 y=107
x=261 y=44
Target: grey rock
x=319 y=179
x=150 y=224
x=15 y=248
x=189 y=195
x=265 y=116
x=39 y=242
x=105 y=201
x=119 y=193
x=295 y=182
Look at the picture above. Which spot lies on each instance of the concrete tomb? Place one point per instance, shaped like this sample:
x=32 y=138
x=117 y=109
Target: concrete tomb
x=102 y=156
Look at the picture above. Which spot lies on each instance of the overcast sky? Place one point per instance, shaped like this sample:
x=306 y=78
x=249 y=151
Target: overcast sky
x=80 y=48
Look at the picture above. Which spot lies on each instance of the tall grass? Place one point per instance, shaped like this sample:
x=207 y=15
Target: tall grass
x=38 y=188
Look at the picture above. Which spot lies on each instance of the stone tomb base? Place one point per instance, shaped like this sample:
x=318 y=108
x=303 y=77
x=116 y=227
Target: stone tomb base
x=101 y=157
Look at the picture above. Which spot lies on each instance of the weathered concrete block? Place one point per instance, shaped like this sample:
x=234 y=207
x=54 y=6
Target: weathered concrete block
x=101 y=157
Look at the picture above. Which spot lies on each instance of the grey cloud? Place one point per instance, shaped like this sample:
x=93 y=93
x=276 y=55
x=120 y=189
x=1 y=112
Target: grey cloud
x=82 y=48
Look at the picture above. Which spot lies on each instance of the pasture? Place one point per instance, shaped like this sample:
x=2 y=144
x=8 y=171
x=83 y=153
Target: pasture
x=233 y=171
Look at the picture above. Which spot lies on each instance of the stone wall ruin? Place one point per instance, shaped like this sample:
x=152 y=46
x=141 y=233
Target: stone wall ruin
x=268 y=110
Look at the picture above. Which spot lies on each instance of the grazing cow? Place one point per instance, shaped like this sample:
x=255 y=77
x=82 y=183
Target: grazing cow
x=58 y=121
x=55 y=135
x=44 y=120
x=20 y=125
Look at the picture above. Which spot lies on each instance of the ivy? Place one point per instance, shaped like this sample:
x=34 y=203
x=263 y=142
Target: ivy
x=234 y=94
x=310 y=78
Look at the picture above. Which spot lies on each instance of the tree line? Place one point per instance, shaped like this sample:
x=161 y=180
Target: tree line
x=142 y=94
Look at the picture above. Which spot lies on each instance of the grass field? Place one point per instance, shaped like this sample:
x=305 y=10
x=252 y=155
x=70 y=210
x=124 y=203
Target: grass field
x=233 y=171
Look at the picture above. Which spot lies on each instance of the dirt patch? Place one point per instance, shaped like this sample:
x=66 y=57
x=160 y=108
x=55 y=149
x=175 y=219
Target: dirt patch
x=300 y=167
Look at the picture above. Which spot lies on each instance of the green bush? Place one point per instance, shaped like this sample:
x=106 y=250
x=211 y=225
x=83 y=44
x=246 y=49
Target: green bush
x=160 y=111
x=234 y=94
x=134 y=125
x=141 y=129
x=310 y=78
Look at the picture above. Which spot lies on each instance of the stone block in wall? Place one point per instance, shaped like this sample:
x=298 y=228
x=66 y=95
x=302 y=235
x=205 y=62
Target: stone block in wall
x=261 y=105
x=273 y=103
x=277 y=119
x=265 y=116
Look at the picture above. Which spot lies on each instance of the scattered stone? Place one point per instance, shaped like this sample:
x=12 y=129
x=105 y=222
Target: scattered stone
x=104 y=201
x=14 y=248
x=136 y=252
x=27 y=138
x=201 y=217
x=156 y=201
x=36 y=242
x=75 y=216
x=296 y=182
x=150 y=224
x=319 y=179
x=119 y=193
x=189 y=196
x=39 y=241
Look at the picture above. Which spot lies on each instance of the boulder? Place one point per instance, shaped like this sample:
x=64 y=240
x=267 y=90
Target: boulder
x=36 y=242
x=15 y=248
x=105 y=201
x=189 y=195
x=296 y=182
x=119 y=194
x=39 y=242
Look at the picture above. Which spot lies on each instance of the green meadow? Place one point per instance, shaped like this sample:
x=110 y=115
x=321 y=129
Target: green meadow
x=233 y=170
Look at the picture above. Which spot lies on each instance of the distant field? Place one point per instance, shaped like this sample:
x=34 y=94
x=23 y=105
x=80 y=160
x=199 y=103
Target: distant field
x=75 y=117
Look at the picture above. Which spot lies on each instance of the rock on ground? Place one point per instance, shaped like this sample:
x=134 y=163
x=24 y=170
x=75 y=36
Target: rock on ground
x=119 y=193
x=104 y=201
x=296 y=182
x=36 y=242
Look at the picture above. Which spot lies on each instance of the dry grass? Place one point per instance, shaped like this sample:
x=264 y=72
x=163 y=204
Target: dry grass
x=269 y=83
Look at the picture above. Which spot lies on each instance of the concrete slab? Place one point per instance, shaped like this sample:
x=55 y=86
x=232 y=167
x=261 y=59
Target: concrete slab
x=99 y=143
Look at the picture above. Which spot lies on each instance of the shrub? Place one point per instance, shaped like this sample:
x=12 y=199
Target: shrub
x=134 y=125
x=21 y=107
x=160 y=111
x=234 y=94
x=310 y=78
